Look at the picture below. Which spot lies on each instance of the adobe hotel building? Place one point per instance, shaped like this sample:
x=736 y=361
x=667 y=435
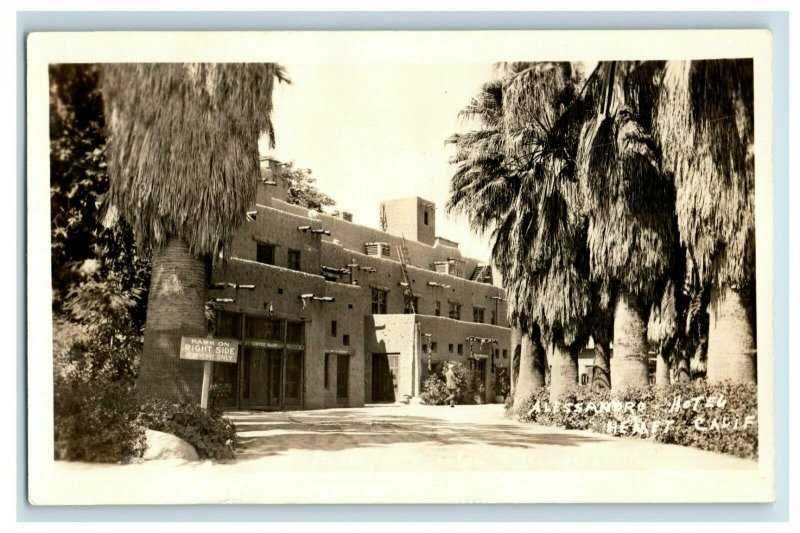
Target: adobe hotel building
x=324 y=311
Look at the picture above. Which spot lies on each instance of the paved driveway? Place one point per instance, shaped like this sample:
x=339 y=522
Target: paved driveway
x=474 y=437
x=414 y=453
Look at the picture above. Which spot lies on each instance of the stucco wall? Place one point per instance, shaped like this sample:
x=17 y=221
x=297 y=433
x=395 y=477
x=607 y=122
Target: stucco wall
x=445 y=331
x=389 y=274
x=278 y=291
x=353 y=236
x=269 y=280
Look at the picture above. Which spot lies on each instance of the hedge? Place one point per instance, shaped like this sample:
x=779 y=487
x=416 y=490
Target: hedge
x=716 y=417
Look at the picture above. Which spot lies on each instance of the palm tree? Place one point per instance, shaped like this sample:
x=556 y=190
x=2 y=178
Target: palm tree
x=485 y=188
x=630 y=204
x=704 y=122
x=514 y=176
x=541 y=103
x=183 y=165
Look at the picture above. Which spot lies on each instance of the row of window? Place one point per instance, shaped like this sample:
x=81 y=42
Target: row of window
x=379 y=307
x=265 y=253
x=459 y=349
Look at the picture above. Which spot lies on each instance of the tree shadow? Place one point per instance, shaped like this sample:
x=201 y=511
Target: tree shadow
x=269 y=434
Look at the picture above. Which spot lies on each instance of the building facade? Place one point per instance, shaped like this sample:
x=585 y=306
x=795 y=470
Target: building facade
x=330 y=313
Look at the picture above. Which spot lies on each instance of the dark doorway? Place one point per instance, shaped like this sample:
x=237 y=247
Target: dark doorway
x=384 y=377
x=261 y=387
x=342 y=379
x=480 y=371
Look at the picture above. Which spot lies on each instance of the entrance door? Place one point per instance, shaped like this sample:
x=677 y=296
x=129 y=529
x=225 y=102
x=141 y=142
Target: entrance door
x=342 y=378
x=384 y=377
x=261 y=386
x=480 y=369
x=293 y=388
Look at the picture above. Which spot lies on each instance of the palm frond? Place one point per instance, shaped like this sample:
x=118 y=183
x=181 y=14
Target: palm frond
x=183 y=146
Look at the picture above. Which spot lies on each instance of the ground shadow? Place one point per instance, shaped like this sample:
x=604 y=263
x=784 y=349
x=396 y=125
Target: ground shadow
x=266 y=434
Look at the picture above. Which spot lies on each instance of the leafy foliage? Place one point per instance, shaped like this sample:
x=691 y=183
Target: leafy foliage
x=434 y=391
x=468 y=386
x=96 y=423
x=97 y=420
x=303 y=189
x=502 y=381
x=99 y=280
x=716 y=422
x=212 y=435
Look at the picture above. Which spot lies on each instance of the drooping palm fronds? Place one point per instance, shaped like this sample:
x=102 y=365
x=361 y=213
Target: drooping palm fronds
x=183 y=147
x=704 y=123
x=627 y=199
x=663 y=323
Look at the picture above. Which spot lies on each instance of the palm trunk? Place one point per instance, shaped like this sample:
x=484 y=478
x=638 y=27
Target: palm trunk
x=629 y=363
x=175 y=308
x=601 y=374
x=564 y=370
x=512 y=372
x=531 y=368
x=731 y=343
x=683 y=372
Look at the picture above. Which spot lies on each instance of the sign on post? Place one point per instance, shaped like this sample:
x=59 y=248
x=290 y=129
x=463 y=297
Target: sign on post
x=213 y=350
x=209 y=351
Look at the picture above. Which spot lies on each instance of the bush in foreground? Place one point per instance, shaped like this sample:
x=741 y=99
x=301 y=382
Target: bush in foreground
x=96 y=423
x=716 y=417
x=101 y=421
x=211 y=434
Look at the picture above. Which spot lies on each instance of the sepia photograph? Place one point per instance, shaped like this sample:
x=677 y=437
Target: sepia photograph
x=400 y=267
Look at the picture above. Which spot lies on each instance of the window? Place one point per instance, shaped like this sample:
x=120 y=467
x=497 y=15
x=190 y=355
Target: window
x=265 y=253
x=425 y=217
x=584 y=379
x=505 y=354
x=407 y=305
x=294 y=259
x=477 y=314
x=454 y=310
x=450 y=348
x=494 y=318
x=434 y=347
x=294 y=332
x=437 y=308
x=333 y=328
x=346 y=339
x=228 y=325
x=379 y=301
x=460 y=349
x=263 y=328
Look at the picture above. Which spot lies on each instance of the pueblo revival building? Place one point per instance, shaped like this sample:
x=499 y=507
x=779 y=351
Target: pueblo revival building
x=330 y=313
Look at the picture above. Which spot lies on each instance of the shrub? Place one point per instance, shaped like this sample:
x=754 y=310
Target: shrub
x=212 y=435
x=468 y=386
x=434 y=391
x=95 y=421
x=502 y=382
x=719 y=417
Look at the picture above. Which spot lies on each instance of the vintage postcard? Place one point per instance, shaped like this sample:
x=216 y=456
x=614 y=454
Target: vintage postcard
x=400 y=267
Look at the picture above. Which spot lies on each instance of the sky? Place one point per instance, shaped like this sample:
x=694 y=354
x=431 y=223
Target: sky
x=375 y=131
